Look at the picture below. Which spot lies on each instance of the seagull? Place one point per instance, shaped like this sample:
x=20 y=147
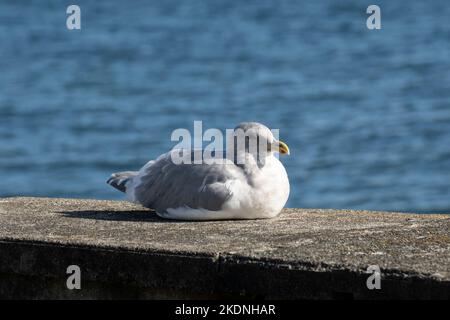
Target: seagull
x=247 y=185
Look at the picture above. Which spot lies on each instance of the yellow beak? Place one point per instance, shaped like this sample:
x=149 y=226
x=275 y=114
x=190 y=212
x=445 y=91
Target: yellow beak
x=283 y=148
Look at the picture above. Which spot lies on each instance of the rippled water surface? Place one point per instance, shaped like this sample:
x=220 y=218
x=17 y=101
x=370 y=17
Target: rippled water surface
x=365 y=113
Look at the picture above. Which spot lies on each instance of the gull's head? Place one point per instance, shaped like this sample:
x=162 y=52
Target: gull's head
x=256 y=138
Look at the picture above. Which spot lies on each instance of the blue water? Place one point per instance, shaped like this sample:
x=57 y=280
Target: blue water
x=365 y=113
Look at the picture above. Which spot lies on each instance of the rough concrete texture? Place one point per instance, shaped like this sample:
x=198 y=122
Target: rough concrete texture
x=125 y=251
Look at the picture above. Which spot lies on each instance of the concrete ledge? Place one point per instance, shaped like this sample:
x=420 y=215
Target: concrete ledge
x=125 y=251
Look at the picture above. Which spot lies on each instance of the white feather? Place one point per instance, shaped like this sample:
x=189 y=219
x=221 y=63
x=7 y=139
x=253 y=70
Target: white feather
x=262 y=199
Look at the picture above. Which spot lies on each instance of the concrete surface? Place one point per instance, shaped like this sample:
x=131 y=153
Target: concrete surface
x=125 y=251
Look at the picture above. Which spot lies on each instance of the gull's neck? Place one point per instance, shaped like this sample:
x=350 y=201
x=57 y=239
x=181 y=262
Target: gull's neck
x=247 y=162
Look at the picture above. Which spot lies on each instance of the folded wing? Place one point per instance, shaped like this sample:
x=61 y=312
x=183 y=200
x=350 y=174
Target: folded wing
x=161 y=184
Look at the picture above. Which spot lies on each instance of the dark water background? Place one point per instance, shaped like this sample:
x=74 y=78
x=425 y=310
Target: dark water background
x=365 y=113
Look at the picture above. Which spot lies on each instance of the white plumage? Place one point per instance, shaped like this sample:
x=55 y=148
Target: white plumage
x=256 y=188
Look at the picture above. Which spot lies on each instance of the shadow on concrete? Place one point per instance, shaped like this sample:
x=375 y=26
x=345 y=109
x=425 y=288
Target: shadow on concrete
x=141 y=216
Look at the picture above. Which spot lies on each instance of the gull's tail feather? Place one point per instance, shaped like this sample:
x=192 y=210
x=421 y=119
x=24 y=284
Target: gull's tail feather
x=120 y=180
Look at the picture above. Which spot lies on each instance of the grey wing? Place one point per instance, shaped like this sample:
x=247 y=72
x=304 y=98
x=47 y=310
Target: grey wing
x=165 y=185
